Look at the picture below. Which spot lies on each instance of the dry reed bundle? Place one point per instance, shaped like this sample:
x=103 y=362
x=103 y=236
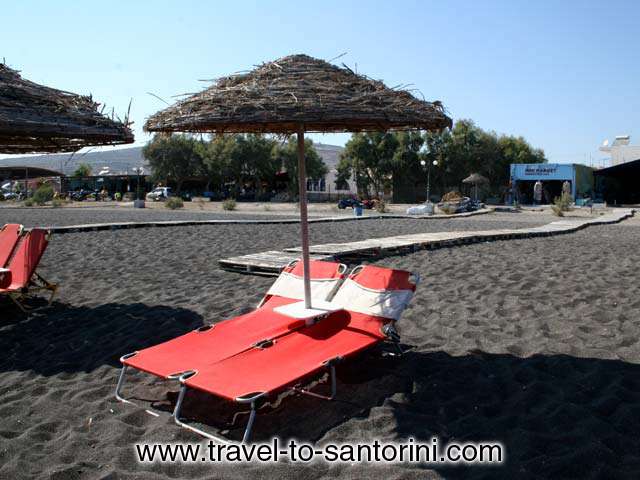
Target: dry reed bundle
x=280 y=96
x=35 y=118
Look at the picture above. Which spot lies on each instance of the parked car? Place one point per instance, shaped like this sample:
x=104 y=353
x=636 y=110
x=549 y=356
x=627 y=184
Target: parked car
x=159 y=194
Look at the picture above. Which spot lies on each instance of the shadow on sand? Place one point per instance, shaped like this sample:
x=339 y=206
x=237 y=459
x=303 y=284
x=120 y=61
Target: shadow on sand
x=558 y=416
x=65 y=338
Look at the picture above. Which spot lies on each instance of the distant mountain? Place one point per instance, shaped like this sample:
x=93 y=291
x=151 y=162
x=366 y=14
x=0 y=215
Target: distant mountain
x=123 y=160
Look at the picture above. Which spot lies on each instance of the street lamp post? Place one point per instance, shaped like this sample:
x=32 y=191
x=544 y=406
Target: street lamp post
x=139 y=202
x=428 y=165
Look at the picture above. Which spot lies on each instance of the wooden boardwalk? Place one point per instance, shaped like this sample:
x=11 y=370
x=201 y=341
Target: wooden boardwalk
x=265 y=263
x=274 y=261
x=93 y=227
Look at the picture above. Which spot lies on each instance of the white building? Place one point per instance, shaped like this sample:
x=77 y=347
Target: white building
x=325 y=188
x=620 y=150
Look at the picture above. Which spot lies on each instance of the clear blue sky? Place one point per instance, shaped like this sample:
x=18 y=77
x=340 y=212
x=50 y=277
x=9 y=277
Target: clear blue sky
x=563 y=74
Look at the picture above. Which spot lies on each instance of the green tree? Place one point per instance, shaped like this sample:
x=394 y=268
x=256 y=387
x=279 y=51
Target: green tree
x=174 y=157
x=370 y=159
x=82 y=170
x=467 y=148
x=216 y=156
x=254 y=155
x=408 y=152
x=374 y=159
x=241 y=159
x=286 y=155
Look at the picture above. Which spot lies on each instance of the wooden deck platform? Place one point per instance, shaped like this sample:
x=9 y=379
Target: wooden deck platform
x=265 y=263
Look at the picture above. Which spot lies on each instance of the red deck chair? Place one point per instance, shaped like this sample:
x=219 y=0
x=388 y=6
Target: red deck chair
x=375 y=292
x=9 y=237
x=372 y=300
x=22 y=280
x=289 y=286
x=209 y=344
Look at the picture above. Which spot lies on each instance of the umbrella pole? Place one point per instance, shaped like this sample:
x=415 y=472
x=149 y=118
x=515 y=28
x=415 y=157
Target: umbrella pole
x=304 y=227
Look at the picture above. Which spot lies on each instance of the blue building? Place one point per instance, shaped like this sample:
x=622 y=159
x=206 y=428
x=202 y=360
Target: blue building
x=552 y=176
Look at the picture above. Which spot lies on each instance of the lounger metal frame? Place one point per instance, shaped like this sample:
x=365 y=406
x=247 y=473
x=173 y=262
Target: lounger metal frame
x=252 y=398
x=37 y=284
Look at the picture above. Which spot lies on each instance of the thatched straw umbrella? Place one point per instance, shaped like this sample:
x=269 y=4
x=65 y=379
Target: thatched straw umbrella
x=39 y=119
x=475 y=179
x=296 y=94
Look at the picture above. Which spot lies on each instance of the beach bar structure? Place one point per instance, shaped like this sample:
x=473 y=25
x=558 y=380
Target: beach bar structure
x=552 y=175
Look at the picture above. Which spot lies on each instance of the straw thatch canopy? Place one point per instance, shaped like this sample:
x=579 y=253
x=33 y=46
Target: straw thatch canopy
x=35 y=118
x=279 y=96
x=476 y=179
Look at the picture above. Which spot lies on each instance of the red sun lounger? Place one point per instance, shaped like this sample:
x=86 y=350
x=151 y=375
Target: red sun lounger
x=21 y=280
x=379 y=295
x=211 y=343
x=289 y=286
x=9 y=237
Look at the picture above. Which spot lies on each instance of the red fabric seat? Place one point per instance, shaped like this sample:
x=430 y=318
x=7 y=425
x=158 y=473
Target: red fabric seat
x=376 y=291
x=25 y=260
x=292 y=357
x=380 y=278
x=198 y=349
x=9 y=236
x=289 y=286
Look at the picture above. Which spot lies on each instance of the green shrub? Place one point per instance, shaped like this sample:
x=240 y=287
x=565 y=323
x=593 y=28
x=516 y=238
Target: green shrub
x=117 y=196
x=229 y=204
x=57 y=203
x=43 y=194
x=29 y=202
x=174 y=203
x=561 y=204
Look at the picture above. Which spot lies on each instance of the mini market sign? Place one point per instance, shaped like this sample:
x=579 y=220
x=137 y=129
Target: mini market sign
x=542 y=171
x=539 y=170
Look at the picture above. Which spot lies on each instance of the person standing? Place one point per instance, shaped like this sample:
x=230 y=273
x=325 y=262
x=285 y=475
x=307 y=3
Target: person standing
x=537 y=193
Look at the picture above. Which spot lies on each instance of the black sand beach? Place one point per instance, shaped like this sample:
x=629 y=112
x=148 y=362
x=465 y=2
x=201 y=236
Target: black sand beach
x=533 y=343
